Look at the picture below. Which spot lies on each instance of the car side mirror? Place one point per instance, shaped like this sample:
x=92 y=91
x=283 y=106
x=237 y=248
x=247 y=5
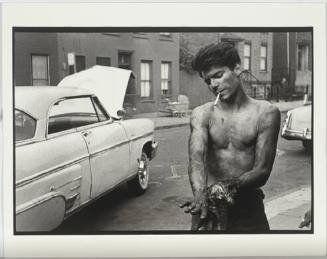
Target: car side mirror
x=121 y=113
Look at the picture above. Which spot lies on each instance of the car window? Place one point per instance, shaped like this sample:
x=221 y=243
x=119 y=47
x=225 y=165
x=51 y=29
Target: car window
x=25 y=126
x=102 y=114
x=71 y=113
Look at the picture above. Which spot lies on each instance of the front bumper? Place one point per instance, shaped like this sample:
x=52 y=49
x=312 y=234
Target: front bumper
x=292 y=134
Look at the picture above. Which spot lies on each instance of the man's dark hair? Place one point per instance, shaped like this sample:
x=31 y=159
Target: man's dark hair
x=221 y=54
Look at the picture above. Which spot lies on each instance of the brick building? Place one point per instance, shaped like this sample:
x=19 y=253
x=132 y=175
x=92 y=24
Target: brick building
x=46 y=58
x=292 y=60
x=255 y=50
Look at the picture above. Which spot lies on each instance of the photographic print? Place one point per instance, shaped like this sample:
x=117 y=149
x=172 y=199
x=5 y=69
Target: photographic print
x=135 y=131
x=130 y=134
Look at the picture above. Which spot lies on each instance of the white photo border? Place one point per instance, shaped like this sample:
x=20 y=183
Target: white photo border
x=180 y=15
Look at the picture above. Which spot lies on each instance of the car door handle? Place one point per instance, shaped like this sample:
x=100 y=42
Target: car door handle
x=86 y=133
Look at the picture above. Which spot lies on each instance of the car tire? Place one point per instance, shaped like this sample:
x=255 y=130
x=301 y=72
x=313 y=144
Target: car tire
x=140 y=183
x=307 y=144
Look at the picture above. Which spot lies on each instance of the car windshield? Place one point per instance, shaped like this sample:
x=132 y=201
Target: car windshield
x=25 y=126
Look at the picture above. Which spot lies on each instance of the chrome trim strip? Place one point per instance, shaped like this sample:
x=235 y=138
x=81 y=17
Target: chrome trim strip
x=142 y=136
x=71 y=181
x=296 y=131
x=108 y=148
x=120 y=144
x=48 y=172
x=296 y=134
x=75 y=187
x=74 y=196
x=30 y=142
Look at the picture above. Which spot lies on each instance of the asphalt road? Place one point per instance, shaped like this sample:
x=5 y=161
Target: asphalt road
x=157 y=209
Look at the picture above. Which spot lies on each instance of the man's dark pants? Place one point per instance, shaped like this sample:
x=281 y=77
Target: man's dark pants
x=247 y=214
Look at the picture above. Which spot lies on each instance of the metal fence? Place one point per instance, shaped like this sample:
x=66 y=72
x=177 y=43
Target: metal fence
x=267 y=90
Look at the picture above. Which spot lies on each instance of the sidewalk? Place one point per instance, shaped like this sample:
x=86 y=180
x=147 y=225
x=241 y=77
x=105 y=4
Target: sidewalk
x=161 y=121
x=286 y=211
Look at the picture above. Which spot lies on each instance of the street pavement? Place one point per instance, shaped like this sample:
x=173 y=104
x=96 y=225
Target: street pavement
x=284 y=211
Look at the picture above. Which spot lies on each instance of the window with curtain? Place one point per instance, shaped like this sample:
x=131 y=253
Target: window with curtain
x=166 y=78
x=247 y=56
x=263 y=58
x=302 y=57
x=146 y=83
x=40 y=70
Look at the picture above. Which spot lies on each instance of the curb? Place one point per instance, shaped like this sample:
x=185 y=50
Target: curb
x=171 y=126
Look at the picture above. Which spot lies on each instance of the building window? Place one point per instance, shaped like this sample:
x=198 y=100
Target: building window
x=40 y=70
x=80 y=63
x=247 y=56
x=166 y=78
x=146 y=83
x=303 y=57
x=103 y=61
x=263 y=58
x=125 y=60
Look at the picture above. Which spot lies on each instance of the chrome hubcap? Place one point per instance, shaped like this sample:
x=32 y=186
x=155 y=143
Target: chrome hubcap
x=143 y=174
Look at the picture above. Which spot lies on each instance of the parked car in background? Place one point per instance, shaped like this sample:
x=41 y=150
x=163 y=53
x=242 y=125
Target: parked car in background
x=298 y=125
x=72 y=148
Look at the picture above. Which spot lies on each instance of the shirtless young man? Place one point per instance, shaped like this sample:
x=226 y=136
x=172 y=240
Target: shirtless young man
x=233 y=138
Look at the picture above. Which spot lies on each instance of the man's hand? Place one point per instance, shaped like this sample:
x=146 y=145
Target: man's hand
x=211 y=205
x=198 y=206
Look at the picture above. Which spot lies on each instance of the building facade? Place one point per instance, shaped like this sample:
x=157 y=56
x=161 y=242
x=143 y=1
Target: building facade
x=255 y=50
x=46 y=58
x=292 y=61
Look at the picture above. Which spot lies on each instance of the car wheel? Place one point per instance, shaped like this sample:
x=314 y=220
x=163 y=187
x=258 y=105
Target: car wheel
x=140 y=183
x=307 y=144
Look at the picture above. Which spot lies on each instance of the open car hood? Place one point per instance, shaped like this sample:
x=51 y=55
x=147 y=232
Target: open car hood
x=107 y=83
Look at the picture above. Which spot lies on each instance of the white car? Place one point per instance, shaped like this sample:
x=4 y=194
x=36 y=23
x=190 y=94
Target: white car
x=71 y=148
x=297 y=125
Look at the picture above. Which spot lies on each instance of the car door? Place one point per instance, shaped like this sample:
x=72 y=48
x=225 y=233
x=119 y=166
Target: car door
x=108 y=147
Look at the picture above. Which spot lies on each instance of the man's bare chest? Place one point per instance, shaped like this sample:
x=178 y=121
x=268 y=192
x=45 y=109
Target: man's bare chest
x=233 y=130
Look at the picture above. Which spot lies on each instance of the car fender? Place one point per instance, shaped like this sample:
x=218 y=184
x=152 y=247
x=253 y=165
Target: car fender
x=140 y=135
x=49 y=210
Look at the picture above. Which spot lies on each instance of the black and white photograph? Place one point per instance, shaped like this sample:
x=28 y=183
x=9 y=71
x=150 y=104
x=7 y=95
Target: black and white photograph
x=163 y=129
x=199 y=131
